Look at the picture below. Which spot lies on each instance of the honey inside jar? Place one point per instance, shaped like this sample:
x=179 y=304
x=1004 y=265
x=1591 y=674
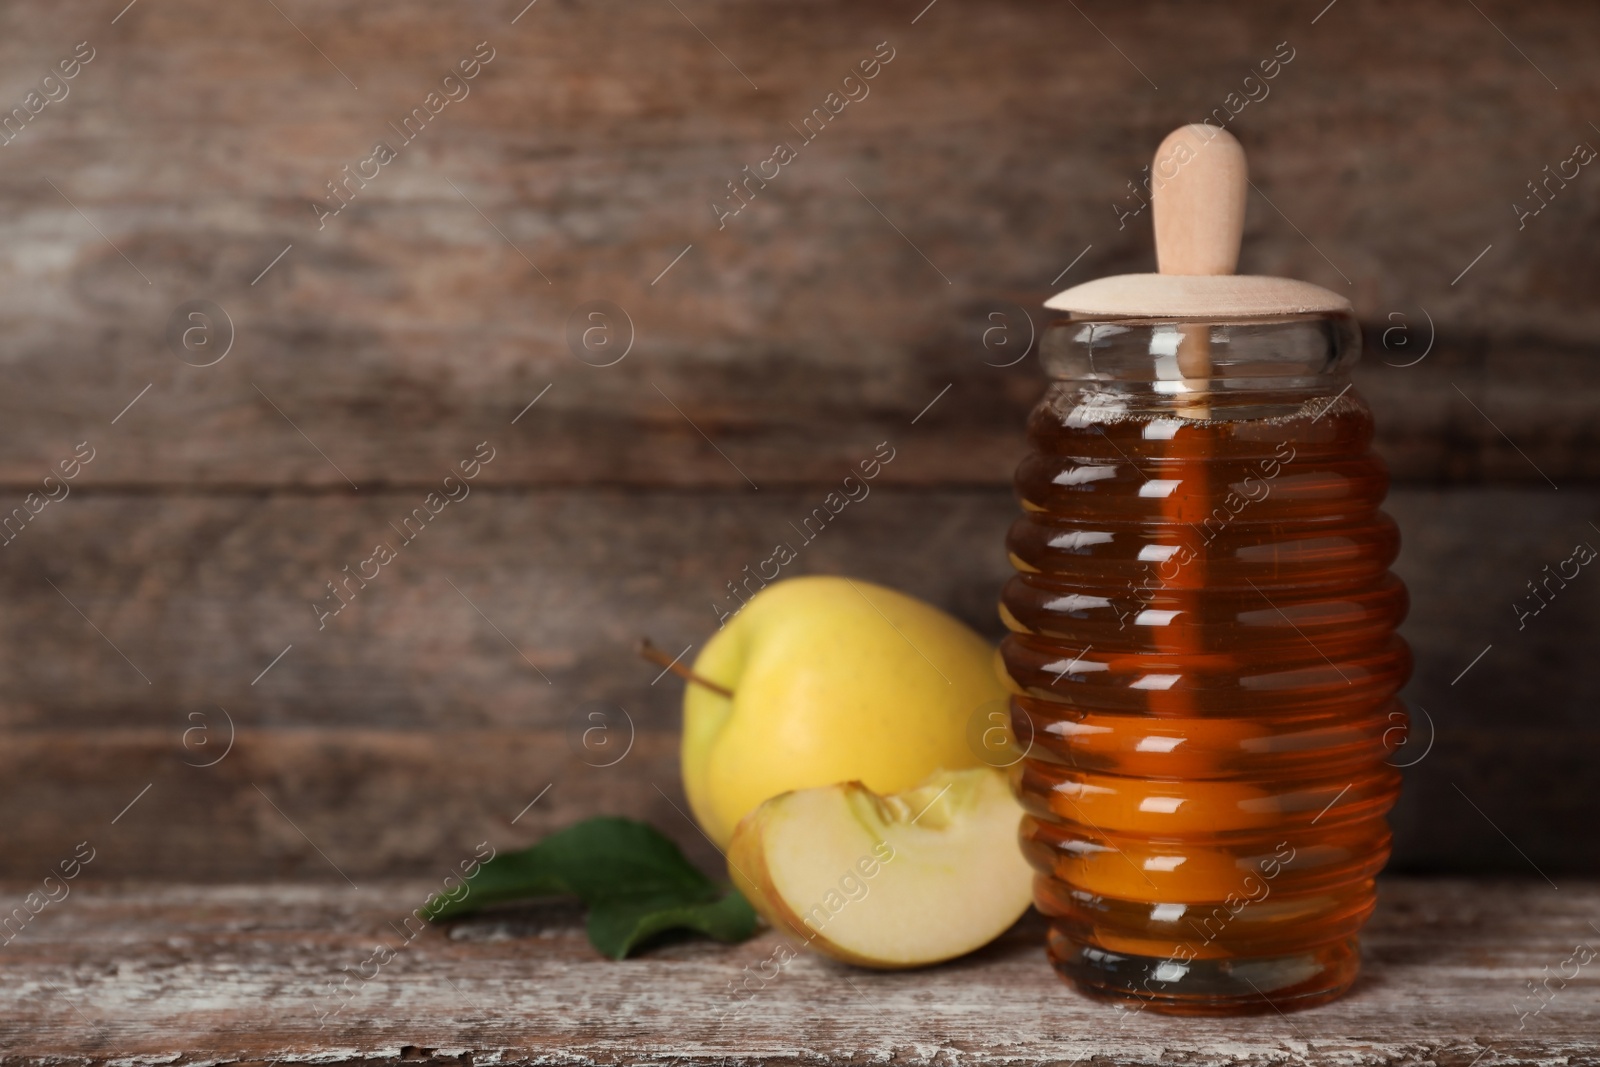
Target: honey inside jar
x=1205 y=663
x=1203 y=652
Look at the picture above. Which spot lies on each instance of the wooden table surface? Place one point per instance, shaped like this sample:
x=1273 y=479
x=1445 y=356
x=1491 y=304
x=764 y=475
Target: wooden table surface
x=248 y=974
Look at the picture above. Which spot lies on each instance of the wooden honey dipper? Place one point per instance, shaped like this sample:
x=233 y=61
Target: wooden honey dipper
x=1198 y=185
x=1197 y=196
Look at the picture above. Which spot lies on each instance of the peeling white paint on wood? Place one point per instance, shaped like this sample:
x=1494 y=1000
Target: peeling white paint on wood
x=239 y=974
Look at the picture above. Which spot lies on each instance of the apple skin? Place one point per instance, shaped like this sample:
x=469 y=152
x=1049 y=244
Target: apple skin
x=834 y=680
x=853 y=876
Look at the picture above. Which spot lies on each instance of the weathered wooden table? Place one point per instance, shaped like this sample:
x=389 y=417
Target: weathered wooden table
x=289 y=974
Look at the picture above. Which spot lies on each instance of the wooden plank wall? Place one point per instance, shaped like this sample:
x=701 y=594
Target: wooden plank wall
x=373 y=350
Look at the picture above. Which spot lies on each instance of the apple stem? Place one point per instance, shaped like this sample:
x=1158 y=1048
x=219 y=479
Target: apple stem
x=661 y=659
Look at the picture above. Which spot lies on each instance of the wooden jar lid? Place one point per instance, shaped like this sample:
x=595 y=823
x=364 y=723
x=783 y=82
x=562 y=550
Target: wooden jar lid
x=1198 y=182
x=1196 y=296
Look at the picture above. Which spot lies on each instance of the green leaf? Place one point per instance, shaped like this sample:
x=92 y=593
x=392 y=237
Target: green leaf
x=634 y=881
x=617 y=927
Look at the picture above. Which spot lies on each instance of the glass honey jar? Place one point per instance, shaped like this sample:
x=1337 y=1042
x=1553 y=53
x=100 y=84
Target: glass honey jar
x=1202 y=649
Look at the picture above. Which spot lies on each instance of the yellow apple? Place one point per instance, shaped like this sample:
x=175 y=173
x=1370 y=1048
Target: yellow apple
x=896 y=881
x=833 y=680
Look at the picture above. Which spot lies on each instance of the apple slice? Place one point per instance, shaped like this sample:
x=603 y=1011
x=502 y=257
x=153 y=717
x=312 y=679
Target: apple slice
x=888 y=881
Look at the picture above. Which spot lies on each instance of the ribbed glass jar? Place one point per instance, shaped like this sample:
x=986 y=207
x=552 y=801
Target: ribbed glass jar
x=1204 y=660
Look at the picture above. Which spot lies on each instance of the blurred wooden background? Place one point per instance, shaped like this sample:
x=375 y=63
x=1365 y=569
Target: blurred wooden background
x=825 y=318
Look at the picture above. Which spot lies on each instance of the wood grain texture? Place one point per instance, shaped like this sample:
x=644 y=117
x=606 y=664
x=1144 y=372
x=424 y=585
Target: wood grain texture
x=998 y=141
x=512 y=608
x=322 y=804
x=329 y=804
x=414 y=721
x=243 y=974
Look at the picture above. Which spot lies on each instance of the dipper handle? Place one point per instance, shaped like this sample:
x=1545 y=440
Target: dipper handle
x=1197 y=187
